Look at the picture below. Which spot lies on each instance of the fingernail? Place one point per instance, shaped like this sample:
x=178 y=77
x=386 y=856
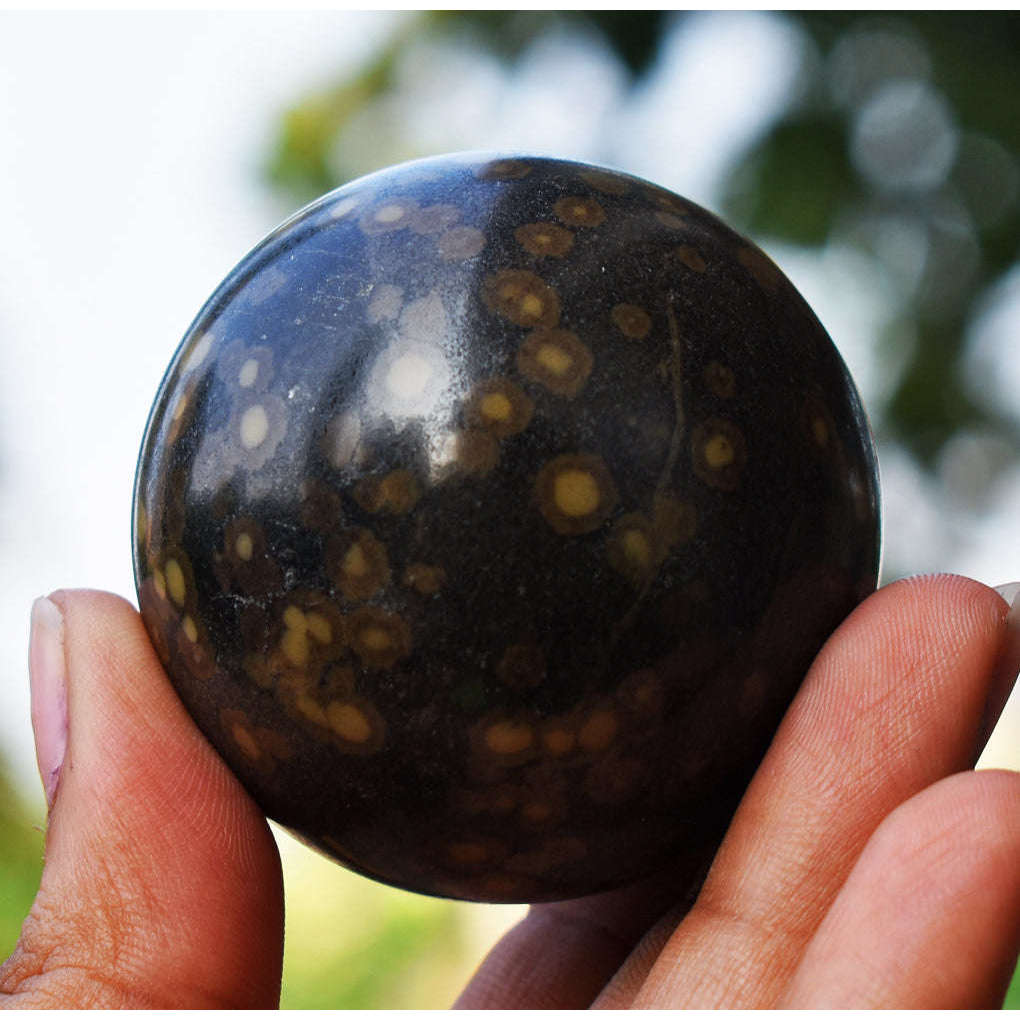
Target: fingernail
x=1007 y=665
x=47 y=673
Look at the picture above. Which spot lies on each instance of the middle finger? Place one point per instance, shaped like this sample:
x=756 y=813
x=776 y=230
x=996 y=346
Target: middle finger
x=893 y=703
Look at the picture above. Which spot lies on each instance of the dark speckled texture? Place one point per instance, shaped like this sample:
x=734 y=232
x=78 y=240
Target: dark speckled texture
x=489 y=516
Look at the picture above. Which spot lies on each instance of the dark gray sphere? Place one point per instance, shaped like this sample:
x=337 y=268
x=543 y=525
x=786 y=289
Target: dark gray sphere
x=489 y=516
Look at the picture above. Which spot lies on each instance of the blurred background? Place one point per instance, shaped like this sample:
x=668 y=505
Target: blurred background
x=875 y=157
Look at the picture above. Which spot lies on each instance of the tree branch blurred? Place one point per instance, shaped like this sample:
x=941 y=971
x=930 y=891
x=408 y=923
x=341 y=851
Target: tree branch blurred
x=901 y=141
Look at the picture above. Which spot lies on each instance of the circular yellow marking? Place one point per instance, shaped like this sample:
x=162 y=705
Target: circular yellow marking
x=348 y=722
x=496 y=406
x=298 y=627
x=375 y=639
x=246 y=742
x=159 y=583
x=380 y=639
x=548 y=239
x=395 y=493
x=522 y=297
x=399 y=491
x=637 y=548
x=576 y=493
x=632 y=321
x=190 y=629
x=311 y=709
x=355 y=562
x=820 y=430
x=507 y=737
x=500 y=406
x=719 y=452
x=294 y=645
x=293 y=618
x=175 y=583
x=249 y=373
x=576 y=211
x=531 y=307
x=598 y=730
x=554 y=359
x=254 y=427
x=605 y=181
x=244 y=546
x=558 y=741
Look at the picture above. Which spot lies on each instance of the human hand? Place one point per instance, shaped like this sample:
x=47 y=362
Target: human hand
x=162 y=885
x=866 y=865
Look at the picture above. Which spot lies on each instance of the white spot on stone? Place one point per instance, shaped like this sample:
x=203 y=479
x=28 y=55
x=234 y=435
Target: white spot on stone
x=408 y=376
x=249 y=373
x=254 y=427
x=389 y=213
x=343 y=207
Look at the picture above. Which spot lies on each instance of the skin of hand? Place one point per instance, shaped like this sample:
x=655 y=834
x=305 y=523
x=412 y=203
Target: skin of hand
x=867 y=866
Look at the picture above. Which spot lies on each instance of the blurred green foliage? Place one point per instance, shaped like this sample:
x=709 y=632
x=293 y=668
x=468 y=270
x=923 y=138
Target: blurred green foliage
x=356 y=944
x=902 y=124
x=21 y=856
x=905 y=122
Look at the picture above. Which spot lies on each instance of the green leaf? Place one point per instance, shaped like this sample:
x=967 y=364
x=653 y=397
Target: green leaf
x=795 y=183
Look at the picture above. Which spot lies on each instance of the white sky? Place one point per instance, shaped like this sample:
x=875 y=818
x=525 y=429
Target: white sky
x=129 y=151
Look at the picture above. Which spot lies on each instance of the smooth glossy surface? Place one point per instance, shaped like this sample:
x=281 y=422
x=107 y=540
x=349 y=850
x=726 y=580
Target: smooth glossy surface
x=489 y=516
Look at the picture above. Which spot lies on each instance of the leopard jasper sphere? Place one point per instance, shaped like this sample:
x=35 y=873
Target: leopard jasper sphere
x=489 y=516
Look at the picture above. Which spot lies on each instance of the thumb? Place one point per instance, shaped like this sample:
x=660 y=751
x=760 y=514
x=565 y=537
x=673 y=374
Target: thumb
x=161 y=886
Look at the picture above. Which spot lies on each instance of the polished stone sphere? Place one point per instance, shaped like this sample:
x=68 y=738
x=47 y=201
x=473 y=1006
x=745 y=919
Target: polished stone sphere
x=490 y=514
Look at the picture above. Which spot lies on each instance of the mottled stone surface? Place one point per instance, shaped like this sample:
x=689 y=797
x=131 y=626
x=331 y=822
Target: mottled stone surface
x=489 y=516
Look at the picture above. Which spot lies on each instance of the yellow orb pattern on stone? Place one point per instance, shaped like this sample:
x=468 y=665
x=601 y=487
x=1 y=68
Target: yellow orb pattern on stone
x=244 y=547
x=348 y=722
x=576 y=493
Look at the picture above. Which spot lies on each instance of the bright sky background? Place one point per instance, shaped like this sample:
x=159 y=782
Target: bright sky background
x=130 y=147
